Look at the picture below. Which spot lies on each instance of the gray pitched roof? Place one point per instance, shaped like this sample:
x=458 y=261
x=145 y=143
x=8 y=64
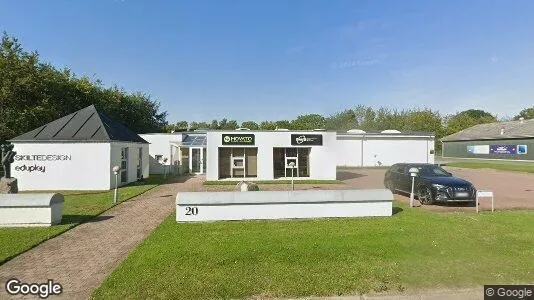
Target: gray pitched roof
x=492 y=131
x=87 y=124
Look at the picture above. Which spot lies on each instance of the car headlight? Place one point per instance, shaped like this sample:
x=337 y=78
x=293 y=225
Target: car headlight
x=438 y=186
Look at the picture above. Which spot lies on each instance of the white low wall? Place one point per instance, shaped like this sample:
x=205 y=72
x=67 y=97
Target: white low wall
x=214 y=206
x=30 y=209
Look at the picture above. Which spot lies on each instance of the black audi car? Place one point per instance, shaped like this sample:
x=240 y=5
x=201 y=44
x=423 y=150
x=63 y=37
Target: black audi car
x=432 y=184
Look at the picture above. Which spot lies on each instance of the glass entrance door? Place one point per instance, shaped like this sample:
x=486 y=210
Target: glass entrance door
x=196 y=160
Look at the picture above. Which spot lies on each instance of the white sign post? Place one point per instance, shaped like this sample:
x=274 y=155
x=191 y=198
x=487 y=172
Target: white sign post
x=116 y=170
x=292 y=166
x=413 y=173
x=484 y=194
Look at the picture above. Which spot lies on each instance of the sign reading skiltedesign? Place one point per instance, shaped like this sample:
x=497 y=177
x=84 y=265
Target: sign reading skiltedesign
x=307 y=139
x=238 y=139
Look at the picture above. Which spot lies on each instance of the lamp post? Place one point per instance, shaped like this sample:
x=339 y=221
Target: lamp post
x=413 y=173
x=116 y=170
x=292 y=166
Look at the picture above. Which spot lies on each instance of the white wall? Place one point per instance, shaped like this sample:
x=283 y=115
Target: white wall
x=87 y=169
x=160 y=145
x=133 y=158
x=322 y=158
x=349 y=152
x=388 y=150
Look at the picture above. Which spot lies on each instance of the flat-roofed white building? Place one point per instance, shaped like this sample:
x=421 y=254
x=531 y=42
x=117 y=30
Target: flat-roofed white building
x=357 y=148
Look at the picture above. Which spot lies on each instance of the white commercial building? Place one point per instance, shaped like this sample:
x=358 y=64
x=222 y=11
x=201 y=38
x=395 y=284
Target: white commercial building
x=78 y=152
x=265 y=155
x=357 y=148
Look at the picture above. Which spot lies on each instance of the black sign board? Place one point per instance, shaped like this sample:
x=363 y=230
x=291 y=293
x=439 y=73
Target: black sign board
x=307 y=139
x=238 y=139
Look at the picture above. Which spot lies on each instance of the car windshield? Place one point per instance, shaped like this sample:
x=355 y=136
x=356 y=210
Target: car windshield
x=432 y=171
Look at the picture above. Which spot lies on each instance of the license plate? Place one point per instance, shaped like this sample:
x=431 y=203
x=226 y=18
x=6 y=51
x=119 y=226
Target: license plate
x=462 y=194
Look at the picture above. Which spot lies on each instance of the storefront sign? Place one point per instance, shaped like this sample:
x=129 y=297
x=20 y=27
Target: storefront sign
x=31 y=158
x=478 y=149
x=43 y=157
x=238 y=139
x=307 y=139
x=503 y=149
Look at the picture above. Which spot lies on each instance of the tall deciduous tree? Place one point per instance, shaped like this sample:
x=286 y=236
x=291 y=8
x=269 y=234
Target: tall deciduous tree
x=34 y=93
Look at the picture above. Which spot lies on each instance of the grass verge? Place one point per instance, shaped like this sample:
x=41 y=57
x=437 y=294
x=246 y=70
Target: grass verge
x=297 y=181
x=79 y=207
x=526 y=167
x=414 y=249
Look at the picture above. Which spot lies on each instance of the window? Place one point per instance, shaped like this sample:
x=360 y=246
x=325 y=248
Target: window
x=282 y=157
x=238 y=162
x=140 y=164
x=124 y=165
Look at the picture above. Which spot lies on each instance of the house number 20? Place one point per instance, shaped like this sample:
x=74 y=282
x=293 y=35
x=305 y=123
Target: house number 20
x=191 y=211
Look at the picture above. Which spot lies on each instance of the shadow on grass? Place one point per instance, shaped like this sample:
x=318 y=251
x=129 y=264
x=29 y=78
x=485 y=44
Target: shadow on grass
x=78 y=219
x=345 y=175
x=397 y=210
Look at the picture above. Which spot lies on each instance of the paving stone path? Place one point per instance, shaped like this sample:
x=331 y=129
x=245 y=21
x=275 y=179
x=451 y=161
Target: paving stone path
x=81 y=258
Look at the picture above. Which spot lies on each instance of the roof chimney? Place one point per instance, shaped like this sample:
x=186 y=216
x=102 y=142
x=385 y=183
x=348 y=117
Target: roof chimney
x=502 y=130
x=521 y=120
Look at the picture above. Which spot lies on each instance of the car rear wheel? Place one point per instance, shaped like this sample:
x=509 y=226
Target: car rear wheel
x=425 y=195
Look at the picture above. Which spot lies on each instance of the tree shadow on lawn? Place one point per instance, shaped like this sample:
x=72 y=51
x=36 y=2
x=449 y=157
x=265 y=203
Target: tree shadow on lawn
x=78 y=219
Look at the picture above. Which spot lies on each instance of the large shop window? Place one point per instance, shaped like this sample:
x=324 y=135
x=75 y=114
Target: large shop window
x=283 y=156
x=238 y=162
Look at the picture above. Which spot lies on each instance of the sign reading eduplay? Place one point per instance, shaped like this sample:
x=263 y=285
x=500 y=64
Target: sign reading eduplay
x=238 y=139
x=34 y=167
x=307 y=139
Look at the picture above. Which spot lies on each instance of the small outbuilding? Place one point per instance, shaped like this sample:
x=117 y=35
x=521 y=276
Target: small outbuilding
x=501 y=140
x=78 y=152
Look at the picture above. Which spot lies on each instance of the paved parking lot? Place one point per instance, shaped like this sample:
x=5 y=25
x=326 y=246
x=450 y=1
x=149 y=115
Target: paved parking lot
x=512 y=190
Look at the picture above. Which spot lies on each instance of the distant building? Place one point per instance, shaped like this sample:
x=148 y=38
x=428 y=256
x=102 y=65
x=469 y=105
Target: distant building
x=501 y=140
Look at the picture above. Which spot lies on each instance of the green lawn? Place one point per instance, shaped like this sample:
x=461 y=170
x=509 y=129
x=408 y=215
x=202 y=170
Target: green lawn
x=78 y=207
x=414 y=249
x=506 y=166
x=296 y=181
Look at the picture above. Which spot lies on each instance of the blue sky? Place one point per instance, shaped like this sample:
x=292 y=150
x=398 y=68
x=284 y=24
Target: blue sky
x=276 y=59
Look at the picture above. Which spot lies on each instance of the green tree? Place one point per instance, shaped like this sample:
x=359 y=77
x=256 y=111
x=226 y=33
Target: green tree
x=267 y=125
x=34 y=93
x=344 y=120
x=465 y=119
x=365 y=117
x=250 y=125
x=527 y=113
x=308 y=122
x=283 y=124
x=214 y=125
x=181 y=126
